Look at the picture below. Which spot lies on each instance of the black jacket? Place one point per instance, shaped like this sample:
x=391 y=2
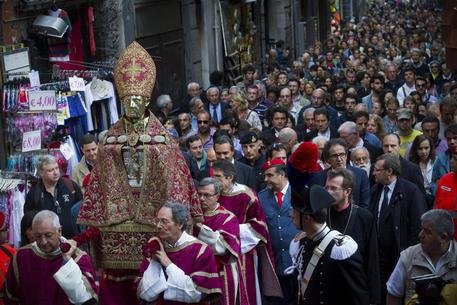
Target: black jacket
x=411 y=172
x=361 y=192
x=68 y=194
x=408 y=206
x=334 y=281
x=312 y=134
x=245 y=175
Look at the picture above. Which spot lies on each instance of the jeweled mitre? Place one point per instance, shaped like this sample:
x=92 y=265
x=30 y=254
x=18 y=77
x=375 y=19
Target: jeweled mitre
x=135 y=72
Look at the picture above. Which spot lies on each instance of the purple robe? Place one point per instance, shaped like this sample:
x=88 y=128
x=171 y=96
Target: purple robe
x=246 y=206
x=226 y=223
x=196 y=260
x=30 y=278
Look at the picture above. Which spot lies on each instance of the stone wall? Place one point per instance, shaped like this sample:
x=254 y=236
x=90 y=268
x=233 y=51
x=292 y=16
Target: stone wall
x=109 y=29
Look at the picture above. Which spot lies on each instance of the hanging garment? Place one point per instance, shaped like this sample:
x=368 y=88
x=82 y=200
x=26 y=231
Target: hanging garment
x=17 y=212
x=99 y=90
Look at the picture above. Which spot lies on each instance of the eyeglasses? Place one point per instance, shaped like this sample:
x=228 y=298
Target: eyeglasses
x=206 y=195
x=420 y=85
x=337 y=156
x=202 y=122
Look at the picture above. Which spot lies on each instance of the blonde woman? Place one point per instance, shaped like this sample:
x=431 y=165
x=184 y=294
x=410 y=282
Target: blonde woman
x=376 y=126
x=239 y=104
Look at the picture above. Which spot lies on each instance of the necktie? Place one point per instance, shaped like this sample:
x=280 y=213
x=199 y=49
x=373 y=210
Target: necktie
x=215 y=118
x=279 y=198
x=384 y=205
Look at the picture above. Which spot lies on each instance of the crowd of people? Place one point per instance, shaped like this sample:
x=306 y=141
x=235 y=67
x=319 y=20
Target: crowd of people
x=330 y=179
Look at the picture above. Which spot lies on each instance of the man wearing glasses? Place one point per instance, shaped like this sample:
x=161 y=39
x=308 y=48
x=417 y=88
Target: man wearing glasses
x=421 y=88
x=335 y=153
x=348 y=218
x=221 y=231
x=54 y=193
x=397 y=206
x=204 y=129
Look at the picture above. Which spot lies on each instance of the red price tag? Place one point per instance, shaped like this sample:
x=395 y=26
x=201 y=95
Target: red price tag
x=31 y=140
x=42 y=100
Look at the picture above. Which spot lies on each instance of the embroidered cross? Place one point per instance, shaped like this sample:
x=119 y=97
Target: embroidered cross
x=134 y=70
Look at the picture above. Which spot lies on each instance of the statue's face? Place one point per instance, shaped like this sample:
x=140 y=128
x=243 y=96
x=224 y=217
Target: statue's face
x=135 y=106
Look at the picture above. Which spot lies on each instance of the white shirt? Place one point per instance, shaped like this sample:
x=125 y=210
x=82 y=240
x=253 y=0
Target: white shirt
x=403 y=92
x=326 y=134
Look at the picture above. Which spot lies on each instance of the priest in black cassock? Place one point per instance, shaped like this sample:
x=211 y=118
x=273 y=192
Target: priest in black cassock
x=357 y=222
x=335 y=275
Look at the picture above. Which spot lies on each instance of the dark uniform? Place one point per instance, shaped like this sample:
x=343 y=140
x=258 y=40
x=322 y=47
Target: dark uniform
x=338 y=277
x=359 y=223
x=257 y=170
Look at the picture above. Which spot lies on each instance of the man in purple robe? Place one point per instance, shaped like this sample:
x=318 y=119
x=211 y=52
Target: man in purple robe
x=257 y=255
x=221 y=231
x=189 y=264
x=40 y=274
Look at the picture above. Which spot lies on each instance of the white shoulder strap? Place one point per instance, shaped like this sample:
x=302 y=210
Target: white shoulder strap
x=317 y=254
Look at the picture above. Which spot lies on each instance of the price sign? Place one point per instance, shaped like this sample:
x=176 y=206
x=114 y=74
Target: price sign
x=34 y=78
x=76 y=84
x=31 y=140
x=42 y=100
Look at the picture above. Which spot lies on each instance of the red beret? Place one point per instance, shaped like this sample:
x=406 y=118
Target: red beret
x=271 y=163
x=305 y=158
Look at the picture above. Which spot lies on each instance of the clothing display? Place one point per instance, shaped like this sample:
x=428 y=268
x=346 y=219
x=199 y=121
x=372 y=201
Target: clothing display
x=100 y=92
x=59 y=49
x=12 y=205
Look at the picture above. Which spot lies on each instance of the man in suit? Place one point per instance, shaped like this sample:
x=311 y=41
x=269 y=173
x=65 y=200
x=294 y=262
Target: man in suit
x=323 y=128
x=349 y=132
x=223 y=146
x=215 y=106
x=275 y=201
x=397 y=205
x=409 y=170
x=335 y=153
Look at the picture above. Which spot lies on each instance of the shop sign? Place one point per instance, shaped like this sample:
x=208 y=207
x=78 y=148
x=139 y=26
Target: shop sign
x=77 y=84
x=42 y=100
x=31 y=140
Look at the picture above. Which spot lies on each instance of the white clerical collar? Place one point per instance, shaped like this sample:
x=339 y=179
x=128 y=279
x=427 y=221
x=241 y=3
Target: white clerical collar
x=183 y=239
